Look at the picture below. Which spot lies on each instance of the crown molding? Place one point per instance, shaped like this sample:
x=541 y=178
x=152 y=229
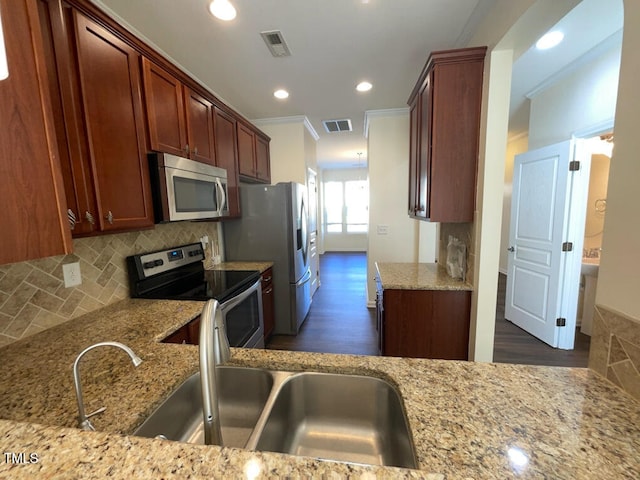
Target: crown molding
x=390 y=112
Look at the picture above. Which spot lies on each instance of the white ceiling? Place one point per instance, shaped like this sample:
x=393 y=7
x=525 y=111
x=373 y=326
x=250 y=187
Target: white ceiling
x=335 y=44
x=592 y=27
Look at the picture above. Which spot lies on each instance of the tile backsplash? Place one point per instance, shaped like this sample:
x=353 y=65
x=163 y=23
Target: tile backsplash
x=615 y=349
x=33 y=296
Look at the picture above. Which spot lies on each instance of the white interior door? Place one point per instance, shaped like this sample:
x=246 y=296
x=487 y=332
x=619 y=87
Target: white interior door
x=543 y=275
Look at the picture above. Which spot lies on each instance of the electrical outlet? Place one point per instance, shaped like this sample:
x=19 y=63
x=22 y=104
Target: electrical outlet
x=71 y=273
x=204 y=240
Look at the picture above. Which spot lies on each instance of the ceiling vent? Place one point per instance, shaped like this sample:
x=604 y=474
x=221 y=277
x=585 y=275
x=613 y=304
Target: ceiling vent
x=276 y=44
x=335 y=126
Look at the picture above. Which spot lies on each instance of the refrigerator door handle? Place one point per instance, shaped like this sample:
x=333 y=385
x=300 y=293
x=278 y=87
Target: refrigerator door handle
x=305 y=278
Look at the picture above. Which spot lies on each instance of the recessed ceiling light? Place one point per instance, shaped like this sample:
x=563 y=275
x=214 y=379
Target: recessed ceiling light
x=222 y=9
x=364 y=87
x=281 y=94
x=549 y=40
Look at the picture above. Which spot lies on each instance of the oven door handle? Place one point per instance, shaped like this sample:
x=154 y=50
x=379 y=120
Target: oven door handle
x=241 y=297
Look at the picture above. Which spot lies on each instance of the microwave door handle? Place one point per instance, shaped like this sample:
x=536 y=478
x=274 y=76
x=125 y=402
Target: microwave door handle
x=223 y=196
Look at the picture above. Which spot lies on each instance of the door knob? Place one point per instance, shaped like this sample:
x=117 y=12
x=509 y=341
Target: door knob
x=511 y=249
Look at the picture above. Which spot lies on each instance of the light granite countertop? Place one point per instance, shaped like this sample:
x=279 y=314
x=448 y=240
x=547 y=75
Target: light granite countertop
x=260 y=266
x=468 y=420
x=417 y=276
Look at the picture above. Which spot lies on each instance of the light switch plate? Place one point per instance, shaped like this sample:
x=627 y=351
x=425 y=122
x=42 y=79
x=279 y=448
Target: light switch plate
x=71 y=274
x=383 y=229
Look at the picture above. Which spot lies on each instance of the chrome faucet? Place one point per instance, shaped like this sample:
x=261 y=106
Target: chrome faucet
x=214 y=350
x=83 y=419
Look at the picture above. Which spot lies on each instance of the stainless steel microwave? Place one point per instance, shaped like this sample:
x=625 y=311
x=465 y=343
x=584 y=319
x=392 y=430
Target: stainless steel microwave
x=186 y=190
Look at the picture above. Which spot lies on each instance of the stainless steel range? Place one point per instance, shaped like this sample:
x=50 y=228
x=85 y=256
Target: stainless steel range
x=178 y=273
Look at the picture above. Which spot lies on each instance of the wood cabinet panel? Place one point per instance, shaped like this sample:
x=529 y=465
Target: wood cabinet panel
x=199 y=113
x=224 y=126
x=165 y=110
x=425 y=323
x=263 y=164
x=33 y=220
x=444 y=124
x=110 y=86
x=68 y=116
x=246 y=151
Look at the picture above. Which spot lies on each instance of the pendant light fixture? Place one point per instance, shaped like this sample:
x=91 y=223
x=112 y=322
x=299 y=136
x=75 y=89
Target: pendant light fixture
x=222 y=9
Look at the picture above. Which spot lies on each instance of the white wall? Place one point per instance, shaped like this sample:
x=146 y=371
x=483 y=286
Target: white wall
x=619 y=277
x=343 y=242
x=582 y=99
x=388 y=154
x=292 y=147
x=507 y=28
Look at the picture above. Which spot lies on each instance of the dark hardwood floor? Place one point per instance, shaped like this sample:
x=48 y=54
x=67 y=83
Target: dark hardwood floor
x=340 y=322
x=514 y=345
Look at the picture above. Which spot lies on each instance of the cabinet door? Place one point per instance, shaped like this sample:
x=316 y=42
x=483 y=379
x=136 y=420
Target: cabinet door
x=457 y=100
x=414 y=145
x=246 y=151
x=33 y=218
x=263 y=166
x=424 y=157
x=68 y=117
x=165 y=110
x=193 y=329
x=199 y=127
x=426 y=323
x=227 y=156
x=112 y=101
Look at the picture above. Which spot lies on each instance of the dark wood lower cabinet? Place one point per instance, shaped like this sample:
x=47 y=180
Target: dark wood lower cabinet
x=187 y=334
x=424 y=323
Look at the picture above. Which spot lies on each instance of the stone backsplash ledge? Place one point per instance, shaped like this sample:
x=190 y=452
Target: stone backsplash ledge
x=33 y=297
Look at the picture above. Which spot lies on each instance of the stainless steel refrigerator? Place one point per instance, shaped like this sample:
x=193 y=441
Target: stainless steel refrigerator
x=273 y=228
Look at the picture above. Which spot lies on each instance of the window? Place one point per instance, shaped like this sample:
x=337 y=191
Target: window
x=346 y=206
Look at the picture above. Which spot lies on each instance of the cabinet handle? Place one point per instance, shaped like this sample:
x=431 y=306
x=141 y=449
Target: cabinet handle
x=186 y=149
x=268 y=291
x=421 y=209
x=266 y=279
x=109 y=217
x=72 y=218
x=89 y=218
x=195 y=151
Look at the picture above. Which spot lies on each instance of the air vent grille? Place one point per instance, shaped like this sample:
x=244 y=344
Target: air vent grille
x=276 y=44
x=335 y=126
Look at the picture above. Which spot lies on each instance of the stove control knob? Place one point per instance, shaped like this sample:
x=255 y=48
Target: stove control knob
x=158 y=263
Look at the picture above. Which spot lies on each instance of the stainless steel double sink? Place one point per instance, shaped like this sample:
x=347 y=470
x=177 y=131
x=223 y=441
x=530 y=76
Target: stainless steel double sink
x=339 y=417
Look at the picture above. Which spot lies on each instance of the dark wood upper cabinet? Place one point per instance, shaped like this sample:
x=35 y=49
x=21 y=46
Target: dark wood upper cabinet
x=253 y=155
x=180 y=121
x=33 y=218
x=445 y=127
x=227 y=156
x=199 y=127
x=165 y=110
x=246 y=151
x=110 y=87
x=263 y=164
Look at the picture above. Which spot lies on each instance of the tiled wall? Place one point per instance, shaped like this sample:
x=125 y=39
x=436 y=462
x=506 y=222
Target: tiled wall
x=615 y=349
x=464 y=233
x=33 y=296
